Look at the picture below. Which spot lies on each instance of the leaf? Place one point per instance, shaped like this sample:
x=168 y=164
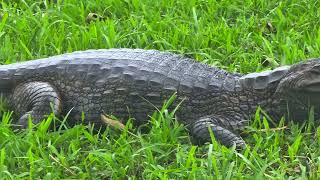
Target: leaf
x=111 y=122
x=3 y=20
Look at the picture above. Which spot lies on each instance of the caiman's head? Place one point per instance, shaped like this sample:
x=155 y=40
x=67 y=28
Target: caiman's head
x=299 y=89
x=302 y=81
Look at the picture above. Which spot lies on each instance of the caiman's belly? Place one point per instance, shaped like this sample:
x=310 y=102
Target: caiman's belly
x=121 y=104
x=88 y=105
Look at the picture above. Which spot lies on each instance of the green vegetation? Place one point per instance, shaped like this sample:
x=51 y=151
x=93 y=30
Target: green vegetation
x=240 y=36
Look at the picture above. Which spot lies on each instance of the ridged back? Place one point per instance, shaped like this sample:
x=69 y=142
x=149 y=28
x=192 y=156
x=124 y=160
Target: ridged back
x=263 y=79
x=169 y=64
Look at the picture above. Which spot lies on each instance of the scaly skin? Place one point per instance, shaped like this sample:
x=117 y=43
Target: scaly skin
x=129 y=83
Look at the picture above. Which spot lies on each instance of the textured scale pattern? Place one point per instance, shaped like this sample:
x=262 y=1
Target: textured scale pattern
x=128 y=83
x=32 y=99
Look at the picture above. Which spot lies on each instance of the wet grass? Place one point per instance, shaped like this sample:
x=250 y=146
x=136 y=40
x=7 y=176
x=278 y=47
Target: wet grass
x=240 y=36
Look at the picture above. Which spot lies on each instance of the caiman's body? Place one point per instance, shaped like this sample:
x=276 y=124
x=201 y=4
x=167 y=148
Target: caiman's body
x=129 y=83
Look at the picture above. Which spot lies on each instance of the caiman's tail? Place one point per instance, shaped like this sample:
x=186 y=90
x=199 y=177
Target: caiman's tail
x=6 y=82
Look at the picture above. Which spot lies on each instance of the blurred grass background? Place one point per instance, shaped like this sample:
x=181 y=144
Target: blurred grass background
x=242 y=36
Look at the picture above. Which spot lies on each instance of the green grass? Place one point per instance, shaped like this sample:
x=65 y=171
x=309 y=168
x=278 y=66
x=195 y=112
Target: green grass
x=240 y=36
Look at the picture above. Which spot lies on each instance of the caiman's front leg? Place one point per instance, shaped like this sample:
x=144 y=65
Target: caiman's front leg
x=35 y=99
x=221 y=131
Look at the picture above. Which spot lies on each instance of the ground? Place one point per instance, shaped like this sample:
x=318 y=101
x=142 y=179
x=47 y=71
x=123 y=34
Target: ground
x=239 y=36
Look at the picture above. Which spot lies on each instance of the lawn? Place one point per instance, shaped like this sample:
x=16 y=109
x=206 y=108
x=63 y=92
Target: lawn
x=239 y=36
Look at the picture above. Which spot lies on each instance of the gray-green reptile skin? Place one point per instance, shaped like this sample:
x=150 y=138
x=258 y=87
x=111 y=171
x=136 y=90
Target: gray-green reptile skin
x=130 y=82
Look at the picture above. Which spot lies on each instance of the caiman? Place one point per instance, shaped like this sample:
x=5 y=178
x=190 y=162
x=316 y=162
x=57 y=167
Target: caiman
x=130 y=83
